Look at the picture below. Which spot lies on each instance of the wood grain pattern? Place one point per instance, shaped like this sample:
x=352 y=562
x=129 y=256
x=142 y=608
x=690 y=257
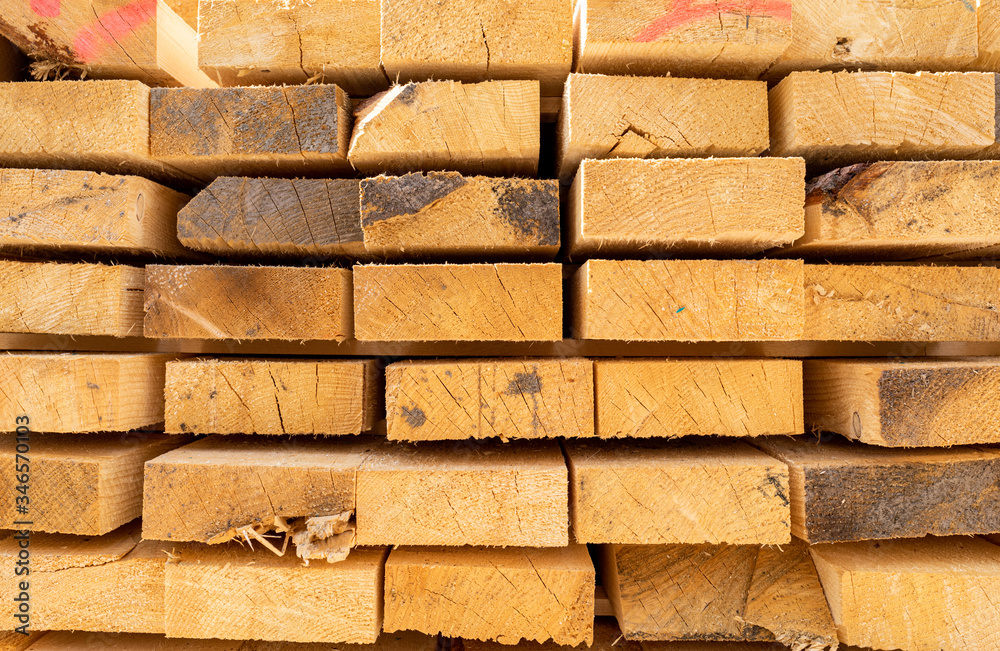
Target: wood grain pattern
x=688 y=300
x=715 y=207
x=483 y=398
x=230 y=302
x=843 y=491
x=905 y=403
x=680 y=397
x=492 y=594
x=627 y=117
x=76 y=641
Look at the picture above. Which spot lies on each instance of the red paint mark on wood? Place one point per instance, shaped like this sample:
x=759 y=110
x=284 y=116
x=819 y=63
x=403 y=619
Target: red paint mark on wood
x=46 y=8
x=111 y=26
x=682 y=12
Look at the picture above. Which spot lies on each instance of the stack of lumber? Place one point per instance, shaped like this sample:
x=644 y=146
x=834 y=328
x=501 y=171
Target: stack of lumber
x=386 y=324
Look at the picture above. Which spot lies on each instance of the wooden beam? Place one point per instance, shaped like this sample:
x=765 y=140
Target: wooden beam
x=202 y=491
x=54 y=211
x=247 y=43
x=472 y=41
x=718 y=207
x=86 y=484
x=901 y=210
x=447 y=215
x=483 y=398
x=930 y=36
x=492 y=594
x=76 y=641
x=659 y=117
x=843 y=491
x=492 y=494
x=259 y=131
x=230 y=302
x=901 y=303
x=988 y=14
x=110 y=583
x=266 y=218
x=71 y=299
x=841 y=118
x=83 y=392
x=95 y=125
x=717 y=592
x=474 y=302
x=905 y=403
x=486 y=128
x=689 y=39
x=607 y=637
x=271 y=396
x=122 y=39
x=669 y=300
x=187 y=10
x=655 y=493
x=232 y=592
x=874 y=587
x=680 y=397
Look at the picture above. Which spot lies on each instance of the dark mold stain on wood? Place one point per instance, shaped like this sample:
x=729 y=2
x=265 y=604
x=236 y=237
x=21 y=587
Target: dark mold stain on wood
x=415 y=416
x=524 y=384
x=385 y=197
x=530 y=209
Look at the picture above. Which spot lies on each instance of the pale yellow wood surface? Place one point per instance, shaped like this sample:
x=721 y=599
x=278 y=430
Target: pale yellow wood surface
x=86 y=125
x=468 y=40
x=71 y=299
x=269 y=218
x=651 y=493
x=84 y=392
x=473 y=302
x=717 y=592
x=988 y=15
x=929 y=593
x=717 y=207
x=234 y=302
x=607 y=637
x=44 y=211
x=901 y=303
x=231 y=592
x=901 y=210
x=484 y=398
x=876 y=35
x=108 y=39
x=905 y=403
x=680 y=397
x=839 y=118
x=70 y=641
x=186 y=10
x=258 y=131
x=271 y=396
x=842 y=491
x=111 y=583
x=202 y=490
x=445 y=215
x=492 y=594
x=690 y=38
x=659 y=117
x=486 y=128
x=86 y=484
x=491 y=493
x=688 y=300
x=249 y=43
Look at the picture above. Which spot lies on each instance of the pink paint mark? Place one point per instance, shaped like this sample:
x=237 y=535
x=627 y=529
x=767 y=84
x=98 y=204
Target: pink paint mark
x=46 y=8
x=111 y=26
x=686 y=11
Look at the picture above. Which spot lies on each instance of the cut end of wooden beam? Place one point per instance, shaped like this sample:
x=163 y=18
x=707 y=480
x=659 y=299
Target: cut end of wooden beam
x=625 y=117
x=447 y=215
x=914 y=403
x=486 y=128
x=715 y=207
x=235 y=302
x=643 y=493
x=271 y=396
x=688 y=300
x=681 y=40
x=256 y=131
x=474 y=302
x=492 y=594
x=484 y=398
